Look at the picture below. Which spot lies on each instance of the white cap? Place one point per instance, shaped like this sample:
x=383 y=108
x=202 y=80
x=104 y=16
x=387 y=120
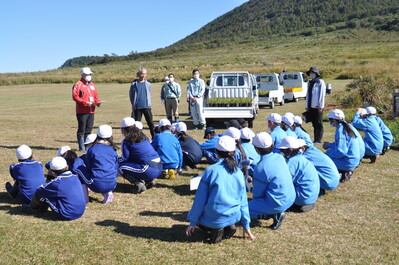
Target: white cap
x=139 y=124
x=297 y=120
x=288 y=119
x=104 y=131
x=301 y=142
x=58 y=163
x=262 y=140
x=23 y=152
x=90 y=138
x=247 y=133
x=233 y=132
x=336 y=114
x=274 y=117
x=289 y=114
x=163 y=122
x=127 y=122
x=181 y=127
x=86 y=71
x=289 y=142
x=226 y=143
x=371 y=110
x=364 y=112
x=62 y=150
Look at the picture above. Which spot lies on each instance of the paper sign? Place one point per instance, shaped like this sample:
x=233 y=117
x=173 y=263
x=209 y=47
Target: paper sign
x=195 y=182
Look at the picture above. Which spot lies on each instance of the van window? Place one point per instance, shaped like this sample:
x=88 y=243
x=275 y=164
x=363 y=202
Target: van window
x=265 y=78
x=230 y=81
x=290 y=77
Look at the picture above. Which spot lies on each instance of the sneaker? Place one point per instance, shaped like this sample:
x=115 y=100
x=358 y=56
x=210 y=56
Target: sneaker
x=108 y=196
x=277 y=220
x=186 y=168
x=322 y=192
x=139 y=187
x=307 y=207
x=374 y=159
x=255 y=223
x=229 y=231
x=10 y=191
x=150 y=184
x=216 y=235
x=171 y=174
x=164 y=174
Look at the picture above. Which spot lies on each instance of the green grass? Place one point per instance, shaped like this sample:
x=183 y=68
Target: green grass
x=356 y=224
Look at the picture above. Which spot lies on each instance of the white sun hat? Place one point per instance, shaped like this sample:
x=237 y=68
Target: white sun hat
x=104 y=131
x=371 y=110
x=336 y=114
x=226 y=143
x=58 y=163
x=247 y=133
x=127 y=122
x=297 y=120
x=139 y=125
x=289 y=142
x=274 y=117
x=262 y=140
x=301 y=142
x=90 y=138
x=163 y=122
x=62 y=150
x=289 y=114
x=181 y=127
x=23 y=152
x=288 y=119
x=86 y=71
x=233 y=132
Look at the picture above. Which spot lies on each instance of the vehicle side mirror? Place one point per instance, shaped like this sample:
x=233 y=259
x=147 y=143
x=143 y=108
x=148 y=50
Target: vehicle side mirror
x=254 y=87
x=305 y=80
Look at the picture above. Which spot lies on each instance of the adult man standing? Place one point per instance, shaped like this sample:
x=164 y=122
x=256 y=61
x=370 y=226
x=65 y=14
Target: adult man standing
x=195 y=91
x=170 y=95
x=84 y=93
x=140 y=98
x=315 y=102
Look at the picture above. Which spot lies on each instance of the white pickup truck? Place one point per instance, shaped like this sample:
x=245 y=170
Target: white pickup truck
x=270 y=90
x=232 y=95
x=295 y=85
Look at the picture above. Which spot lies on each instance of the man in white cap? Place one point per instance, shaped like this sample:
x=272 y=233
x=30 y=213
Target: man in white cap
x=272 y=187
x=277 y=133
x=27 y=174
x=84 y=93
x=386 y=132
x=63 y=194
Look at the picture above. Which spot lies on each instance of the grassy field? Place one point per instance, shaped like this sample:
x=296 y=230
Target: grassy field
x=355 y=224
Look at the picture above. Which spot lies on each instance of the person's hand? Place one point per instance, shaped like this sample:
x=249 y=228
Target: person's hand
x=325 y=145
x=190 y=229
x=162 y=101
x=194 y=99
x=249 y=234
x=98 y=104
x=320 y=109
x=88 y=104
x=188 y=99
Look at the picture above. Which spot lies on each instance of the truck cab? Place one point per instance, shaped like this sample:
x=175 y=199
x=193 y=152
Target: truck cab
x=270 y=90
x=295 y=85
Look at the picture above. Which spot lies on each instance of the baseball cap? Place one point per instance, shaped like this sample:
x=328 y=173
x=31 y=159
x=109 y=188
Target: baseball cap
x=62 y=150
x=336 y=114
x=298 y=120
x=86 y=71
x=371 y=110
x=274 y=117
x=90 y=138
x=127 y=122
x=289 y=142
x=139 y=124
x=104 y=131
x=242 y=122
x=247 y=133
x=208 y=130
x=181 y=127
x=23 y=152
x=163 y=122
x=58 y=163
x=301 y=142
x=288 y=119
x=262 y=140
x=232 y=123
x=233 y=132
x=226 y=143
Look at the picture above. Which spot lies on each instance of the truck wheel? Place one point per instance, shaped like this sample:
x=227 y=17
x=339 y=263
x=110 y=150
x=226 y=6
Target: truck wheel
x=282 y=102
x=271 y=104
x=295 y=99
x=251 y=123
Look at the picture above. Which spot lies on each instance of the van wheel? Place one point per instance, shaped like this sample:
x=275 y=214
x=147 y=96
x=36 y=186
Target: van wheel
x=295 y=99
x=271 y=104
x=282 y=101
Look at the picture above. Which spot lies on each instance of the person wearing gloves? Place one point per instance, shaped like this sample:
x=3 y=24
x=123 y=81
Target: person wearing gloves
x=195 y=91
x=272 y=187
x=170 y=95
x=246 y=143
x=276 y=132
x=315 y=102
x=221 y=199
x=27 y=175
x=140 y=163
x=373 y=138
x=209 y=147
x=287 y=123
x=101 y=163
x=84 y=93
x=386 y=132
x=345 y=151
x=63 y=194
x=304 y=175
x=168 y=149
x=300 y=132
x=328 y=173
x=191 y=149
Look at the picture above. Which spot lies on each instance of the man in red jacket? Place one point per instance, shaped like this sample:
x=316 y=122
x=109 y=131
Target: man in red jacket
x=84 y=93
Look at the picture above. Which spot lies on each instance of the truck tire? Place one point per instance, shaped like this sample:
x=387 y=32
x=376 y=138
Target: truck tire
x=282 y=101
x=295 y=99
x=271 y=104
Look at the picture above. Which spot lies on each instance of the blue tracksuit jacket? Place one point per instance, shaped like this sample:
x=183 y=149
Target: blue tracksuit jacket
x=277 y=135
x=373 y=139
x=386 y=132
x=169 y=150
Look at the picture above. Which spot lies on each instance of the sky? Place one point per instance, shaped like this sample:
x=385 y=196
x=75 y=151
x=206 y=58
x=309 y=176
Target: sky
x=41 y=35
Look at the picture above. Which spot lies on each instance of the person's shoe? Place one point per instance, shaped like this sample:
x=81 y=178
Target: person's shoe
x=316 y=143
x=345 y=175
x=150 y=184
x=229 y=231
x=171 y=174
x=108 y=196
x=186 y=168
x=139 y=187
x=203 y=126
x=10 y=190
x=255 y=223
x=265 y=216
x=374 y=159
x=307 y=207
x=322 y=192
x=164 y=174
x=277 y=220
x=216 y=235
x=27 y=208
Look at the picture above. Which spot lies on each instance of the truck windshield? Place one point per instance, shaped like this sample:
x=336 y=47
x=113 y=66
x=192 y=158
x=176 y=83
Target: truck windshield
x=264 y=78
x=230 y=81
x=290 y=77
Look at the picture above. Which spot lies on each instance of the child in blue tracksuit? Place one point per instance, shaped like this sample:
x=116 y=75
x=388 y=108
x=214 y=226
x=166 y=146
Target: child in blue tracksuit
x=287 y=123
x=386 y=132
x=28 y=175
x=169 y=149
x=304 y=175
x=139 y=161
x=101 y=165
x=246 y=138
x=272 y=186
x=221 y=199
x=345 y=151
x=300 y=132
x=328 y=173
x=192 y=153
x=373 y=139
x=63 y=194
x=277 y=133
x=209 y=147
